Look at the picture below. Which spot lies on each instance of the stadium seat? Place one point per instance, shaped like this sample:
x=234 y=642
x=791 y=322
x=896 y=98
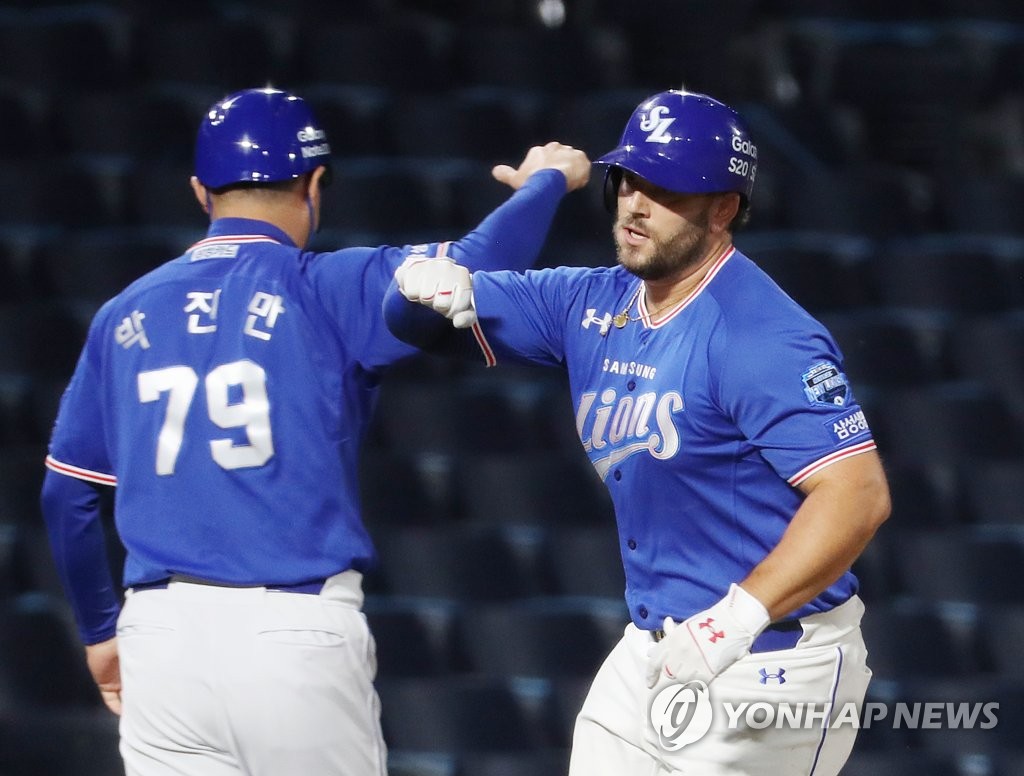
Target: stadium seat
x=399 y=488
x=42 y=663
x=823 y=272
x=928 y=495
x=982 y=203
x=400 y=200
x=9 y=560
x=551 y=61
x=945 y=422
x=544 y=763
x=890 y=346
x=1002 y=656
x=156 y=122
x=993 y=492
x=914 y=90
x=686 y=57
x=567 y=696
x=40 y=338
x=990 y=349
x=21 y=478
x=872 y=200
x=71 y=266
x=415 y=636
x=907 y=639
x=354 y=118
x=474 y=191
x=26 y=132
x=416 y=417
x=491 y=124
x=995 y=704
x=593 y=120
x=461 y=563
x=222 y=52
x=72 y=47
x=873 y=763
x=403 y=55
x=584 y=560
x=964 y=566
x=543 y=488
x=951 y=274
x=59 y=741
x=62 y=192
x=450 y=715
x=545 y=638
x=18 y=422
x=17 y=253
x=159 y=197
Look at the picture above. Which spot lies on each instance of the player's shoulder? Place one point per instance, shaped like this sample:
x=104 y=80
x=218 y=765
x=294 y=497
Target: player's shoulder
x=593 y=277
x=745 y=291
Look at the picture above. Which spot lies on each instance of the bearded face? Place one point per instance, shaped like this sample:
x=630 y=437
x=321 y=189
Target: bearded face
x=658 y=233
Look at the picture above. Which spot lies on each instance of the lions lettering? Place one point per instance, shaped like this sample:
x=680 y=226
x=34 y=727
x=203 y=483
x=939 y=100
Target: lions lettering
x=622 y=425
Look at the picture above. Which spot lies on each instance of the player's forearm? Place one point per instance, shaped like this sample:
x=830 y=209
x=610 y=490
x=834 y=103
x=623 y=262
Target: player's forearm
x=840 y=515
x=71 y=511
x=512 y=236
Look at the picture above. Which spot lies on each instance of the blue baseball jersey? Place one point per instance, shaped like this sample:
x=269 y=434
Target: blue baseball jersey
x=226 y=395
x=701 y=420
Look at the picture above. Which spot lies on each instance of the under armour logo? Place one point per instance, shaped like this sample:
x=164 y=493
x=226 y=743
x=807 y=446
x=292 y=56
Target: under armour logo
x=715 y=634
x=779 y=676
x=605 y=322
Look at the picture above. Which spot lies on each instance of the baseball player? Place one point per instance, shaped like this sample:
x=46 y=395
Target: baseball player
x=744 y=476
x=225 y=395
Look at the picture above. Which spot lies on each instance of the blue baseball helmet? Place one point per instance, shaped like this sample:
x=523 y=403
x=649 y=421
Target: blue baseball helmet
x=684 y=142
x=259 y=136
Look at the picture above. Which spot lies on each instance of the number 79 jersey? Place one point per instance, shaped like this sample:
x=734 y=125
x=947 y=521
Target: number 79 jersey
x=701 y=421
x=226 y=394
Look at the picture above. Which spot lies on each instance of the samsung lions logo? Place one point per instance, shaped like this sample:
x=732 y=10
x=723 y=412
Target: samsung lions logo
x=825 y=384
x=656 y=123
x=681 y=714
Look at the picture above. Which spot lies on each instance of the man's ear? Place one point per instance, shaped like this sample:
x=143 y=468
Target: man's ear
x=724 y=210
x=318 y=180
x=202 y=194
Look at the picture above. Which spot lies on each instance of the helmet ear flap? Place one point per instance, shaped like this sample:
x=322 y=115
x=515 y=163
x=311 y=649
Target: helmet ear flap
x=612 y=179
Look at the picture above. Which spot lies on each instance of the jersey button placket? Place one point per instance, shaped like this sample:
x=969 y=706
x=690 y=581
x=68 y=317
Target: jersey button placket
x=642 y=611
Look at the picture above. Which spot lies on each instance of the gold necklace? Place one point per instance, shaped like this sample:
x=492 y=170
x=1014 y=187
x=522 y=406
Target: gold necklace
x=624 y=317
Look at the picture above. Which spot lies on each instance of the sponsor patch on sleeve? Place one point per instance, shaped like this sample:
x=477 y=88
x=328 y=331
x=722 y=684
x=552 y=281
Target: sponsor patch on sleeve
x=849 y=426
x=825 y=384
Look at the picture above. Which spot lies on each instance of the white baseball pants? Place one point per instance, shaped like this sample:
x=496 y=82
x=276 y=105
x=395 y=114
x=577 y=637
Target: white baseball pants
x=225 y=681
x=826 y=672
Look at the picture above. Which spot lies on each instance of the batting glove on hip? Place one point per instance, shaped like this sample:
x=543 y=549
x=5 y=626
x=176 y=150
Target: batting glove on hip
x=441 y=284
x=707 y=643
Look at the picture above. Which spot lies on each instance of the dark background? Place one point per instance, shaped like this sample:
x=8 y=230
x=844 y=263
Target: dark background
x=891 y=167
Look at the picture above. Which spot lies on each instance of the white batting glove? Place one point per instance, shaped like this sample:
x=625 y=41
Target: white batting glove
x=441 y=284
x=707 y=643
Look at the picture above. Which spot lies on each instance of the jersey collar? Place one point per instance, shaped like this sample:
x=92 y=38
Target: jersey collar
x=664 y=316
x=246 y=230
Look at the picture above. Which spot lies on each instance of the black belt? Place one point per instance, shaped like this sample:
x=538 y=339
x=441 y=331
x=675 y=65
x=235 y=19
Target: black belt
x=310 y=588
x=778 y=635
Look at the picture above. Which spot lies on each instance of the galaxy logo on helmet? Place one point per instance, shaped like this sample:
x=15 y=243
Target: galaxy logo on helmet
x=687 y=143
x=259 y=136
